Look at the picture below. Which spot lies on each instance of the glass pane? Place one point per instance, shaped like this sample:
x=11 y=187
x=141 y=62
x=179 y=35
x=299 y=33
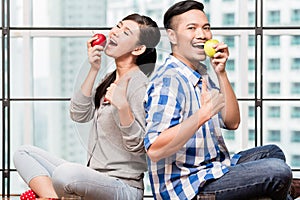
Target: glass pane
x=67 y=13
x=70 y=13
x=231 y=13
x=50 y=71
x=101 y=13
x=281 y=13
x=276 y=116
x=1 y=86
x=240 y=66
x=147 y=185
x=47 y=124
x=1 y=137
x=244 y=137
x=281 y=73
x=53 y=63
x=17 y=185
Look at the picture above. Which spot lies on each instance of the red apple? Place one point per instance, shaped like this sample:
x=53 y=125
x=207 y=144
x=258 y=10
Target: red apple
x=101 y=40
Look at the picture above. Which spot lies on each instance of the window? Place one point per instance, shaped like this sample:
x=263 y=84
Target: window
x=251 y=40
x=251 y=111
x=251 y=65
x=44 y=64
x=295 y=64
x=274 y=135
x=274 y=112
x=251 y=135
x=251 y=18
x=274 y=17
x=295 y=40
x=274 y=88
x=233 y=85
x=295 y=18
x=229 y=40
x=274 y=40
x=208 y=16
x=295 y=136
x=251 y=88
x=230 y=65
x=274 y=64
x=295 y=112
x=229 y=135
x=295 y=160
x=295 y=88
x=228 y=19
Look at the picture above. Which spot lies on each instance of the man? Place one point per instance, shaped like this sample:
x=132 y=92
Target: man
x=185 y=111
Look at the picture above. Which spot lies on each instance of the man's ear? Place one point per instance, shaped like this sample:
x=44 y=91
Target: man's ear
x=139 y=50
x=172 y=36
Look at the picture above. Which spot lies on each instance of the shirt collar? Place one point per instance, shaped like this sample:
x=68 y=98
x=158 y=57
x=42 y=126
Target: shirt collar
x=193 y=75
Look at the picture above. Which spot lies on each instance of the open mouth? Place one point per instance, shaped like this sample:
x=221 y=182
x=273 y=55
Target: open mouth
x=199 y=45
x=112 y=42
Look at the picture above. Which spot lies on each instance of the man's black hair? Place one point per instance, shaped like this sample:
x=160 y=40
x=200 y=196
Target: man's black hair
x=179 y=8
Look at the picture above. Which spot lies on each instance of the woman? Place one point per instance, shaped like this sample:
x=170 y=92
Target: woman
x=116 y=160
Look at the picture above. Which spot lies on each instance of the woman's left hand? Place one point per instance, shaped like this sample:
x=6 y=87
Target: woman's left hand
x=116 y=92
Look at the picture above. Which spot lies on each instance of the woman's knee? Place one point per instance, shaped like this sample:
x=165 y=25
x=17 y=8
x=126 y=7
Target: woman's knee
x=63 y=176
x=20 y=152
x=64 y=173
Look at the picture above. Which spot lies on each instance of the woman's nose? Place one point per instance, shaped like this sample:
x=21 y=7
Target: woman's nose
x=114 y=32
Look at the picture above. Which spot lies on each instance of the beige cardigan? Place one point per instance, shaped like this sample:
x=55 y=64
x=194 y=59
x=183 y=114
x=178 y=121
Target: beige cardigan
x=118 y=151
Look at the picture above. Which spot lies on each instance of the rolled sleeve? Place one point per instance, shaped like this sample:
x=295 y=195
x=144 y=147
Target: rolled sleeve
x=81 y=107
x=133 y=134
x=163 y=108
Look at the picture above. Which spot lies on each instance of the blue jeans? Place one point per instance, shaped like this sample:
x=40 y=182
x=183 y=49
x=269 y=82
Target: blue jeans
x=71 y=179
x=260 y=172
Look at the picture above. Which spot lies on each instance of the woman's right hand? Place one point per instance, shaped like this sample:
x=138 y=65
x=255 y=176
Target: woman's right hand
x=94 y=54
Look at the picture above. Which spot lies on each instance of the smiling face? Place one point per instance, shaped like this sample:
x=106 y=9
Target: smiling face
x=123 y=39
x=188 y=33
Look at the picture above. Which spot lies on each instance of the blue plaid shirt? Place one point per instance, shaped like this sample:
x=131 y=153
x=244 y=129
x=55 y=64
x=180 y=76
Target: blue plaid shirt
x=172 y=96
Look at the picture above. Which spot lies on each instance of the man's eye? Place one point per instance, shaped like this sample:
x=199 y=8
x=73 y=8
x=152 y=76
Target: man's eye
x=126 y=33
x=191 y=28
x=206 y=28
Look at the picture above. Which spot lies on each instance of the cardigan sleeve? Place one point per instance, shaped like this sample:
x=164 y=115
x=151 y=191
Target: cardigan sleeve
x=82 y=108
x=133 y=134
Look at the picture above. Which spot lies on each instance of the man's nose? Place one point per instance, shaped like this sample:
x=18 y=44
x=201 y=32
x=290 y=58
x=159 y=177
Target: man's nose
x=200 y=33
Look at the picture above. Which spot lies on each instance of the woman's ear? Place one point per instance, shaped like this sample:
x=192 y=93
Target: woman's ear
x=172 y=36
x=139 y=50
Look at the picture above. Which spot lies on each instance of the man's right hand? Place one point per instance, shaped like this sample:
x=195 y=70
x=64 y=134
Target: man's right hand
x=212 y=101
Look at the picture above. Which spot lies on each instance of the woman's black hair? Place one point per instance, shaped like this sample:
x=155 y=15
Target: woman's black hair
x=149 y=36
x=101 y=89
x=178 y=9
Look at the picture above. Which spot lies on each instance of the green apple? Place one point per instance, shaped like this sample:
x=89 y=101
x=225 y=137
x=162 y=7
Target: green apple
x=208 y=47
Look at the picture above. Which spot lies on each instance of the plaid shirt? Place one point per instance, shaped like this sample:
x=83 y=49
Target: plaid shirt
x=172 y=96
